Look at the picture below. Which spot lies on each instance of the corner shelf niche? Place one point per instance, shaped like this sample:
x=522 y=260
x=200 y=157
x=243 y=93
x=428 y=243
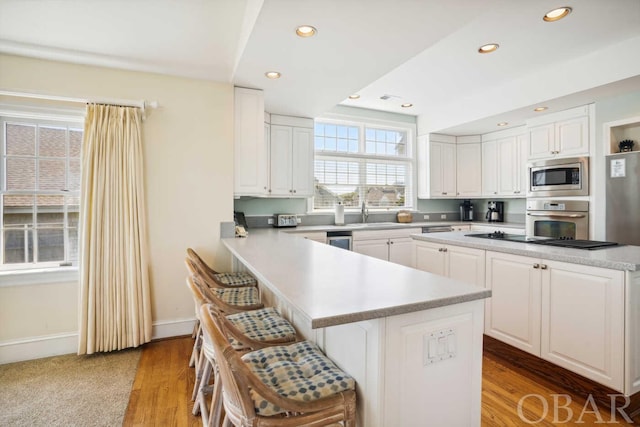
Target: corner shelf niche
x=619 y=130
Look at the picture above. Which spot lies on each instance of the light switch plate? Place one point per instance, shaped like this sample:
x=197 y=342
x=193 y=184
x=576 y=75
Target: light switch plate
x=443 y=216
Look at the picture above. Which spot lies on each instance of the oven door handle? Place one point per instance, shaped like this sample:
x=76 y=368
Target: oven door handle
x=557 y=215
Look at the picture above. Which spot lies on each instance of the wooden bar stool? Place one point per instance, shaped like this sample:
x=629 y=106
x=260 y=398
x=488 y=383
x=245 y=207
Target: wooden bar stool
x=228 y=280
x=284 y=385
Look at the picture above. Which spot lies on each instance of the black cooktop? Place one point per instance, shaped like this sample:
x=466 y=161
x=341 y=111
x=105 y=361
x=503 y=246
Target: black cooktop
x=565 y=243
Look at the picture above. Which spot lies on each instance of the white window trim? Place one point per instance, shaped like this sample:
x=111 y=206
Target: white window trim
x=411 y=129
x=42 y=273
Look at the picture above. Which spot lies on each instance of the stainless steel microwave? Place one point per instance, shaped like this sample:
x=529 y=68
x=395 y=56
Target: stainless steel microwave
x=559 y=177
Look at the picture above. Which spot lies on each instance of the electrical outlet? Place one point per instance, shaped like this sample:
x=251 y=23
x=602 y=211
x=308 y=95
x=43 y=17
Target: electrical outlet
x=443 y=216
x=426 y=217
x=299 y=220
x=270 y=221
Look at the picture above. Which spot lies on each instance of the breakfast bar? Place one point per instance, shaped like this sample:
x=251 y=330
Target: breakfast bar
x=411 y=339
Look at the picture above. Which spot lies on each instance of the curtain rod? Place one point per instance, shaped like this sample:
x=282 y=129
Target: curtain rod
x=142 y=104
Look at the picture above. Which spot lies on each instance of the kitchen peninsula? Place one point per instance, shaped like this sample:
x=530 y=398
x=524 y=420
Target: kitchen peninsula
x=411 y=339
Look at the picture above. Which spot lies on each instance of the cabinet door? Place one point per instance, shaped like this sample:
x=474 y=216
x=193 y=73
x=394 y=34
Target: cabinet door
x=436 y=182
x=281 y=160
x=375 y=248
x=430 y=258
x=572 y=136
x=302 y=167
x=512 y=314
x=251 y=156
x=468 y=170
x=522 y=180
x=401 y=251
x=449 y=170
x=583 y=321
x=489 y=168
x=541 y=141
x=466 y=264
x=507 y=160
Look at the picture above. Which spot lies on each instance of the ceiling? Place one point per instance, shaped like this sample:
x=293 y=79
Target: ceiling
x=419 y=51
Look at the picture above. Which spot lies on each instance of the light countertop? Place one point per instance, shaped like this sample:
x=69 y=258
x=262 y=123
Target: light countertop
x=332 y=286
x=623 y=257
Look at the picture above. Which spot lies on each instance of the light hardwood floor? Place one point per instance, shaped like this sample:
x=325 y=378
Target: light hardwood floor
x=161 y=393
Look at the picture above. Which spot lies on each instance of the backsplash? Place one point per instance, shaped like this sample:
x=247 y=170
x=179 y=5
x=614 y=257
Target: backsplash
x=259 y=210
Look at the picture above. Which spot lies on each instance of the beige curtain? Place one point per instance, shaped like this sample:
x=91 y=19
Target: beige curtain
x=115 y=310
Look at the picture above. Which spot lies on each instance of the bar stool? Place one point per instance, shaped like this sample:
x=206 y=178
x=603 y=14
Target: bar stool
x=284 y=385
x=249 y=330
x=227 y=280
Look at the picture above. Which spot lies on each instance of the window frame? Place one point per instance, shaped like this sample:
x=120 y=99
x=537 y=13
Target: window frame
x=39 y=116
x=362 y=124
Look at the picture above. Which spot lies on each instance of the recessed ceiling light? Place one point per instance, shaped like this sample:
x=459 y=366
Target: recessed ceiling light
x=354 y=96
x=306 y=31
x=503 y=124
x=557 y=14
x=273 y=74
x=538 y=109
x=488 y=48
x=406 y=105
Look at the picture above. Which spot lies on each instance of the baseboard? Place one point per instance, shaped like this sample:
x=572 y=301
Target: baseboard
x=59 y=344
x=38 y=347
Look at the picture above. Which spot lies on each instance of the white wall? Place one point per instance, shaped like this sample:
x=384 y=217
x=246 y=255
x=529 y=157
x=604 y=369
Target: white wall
x=189 y=190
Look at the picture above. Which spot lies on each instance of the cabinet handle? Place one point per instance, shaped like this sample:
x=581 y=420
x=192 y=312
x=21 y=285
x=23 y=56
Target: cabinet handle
x=265 y=188
x=269 y=190
x=543 y=266
x=444 y=194
x=439 y=249
x=391 y=242
x=444 y=249
x=495 y=192
x=536 y=265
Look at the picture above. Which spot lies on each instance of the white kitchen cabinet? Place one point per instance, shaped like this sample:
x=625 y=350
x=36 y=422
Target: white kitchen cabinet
x=468 y=170
x=504 y=166
x=251 y=155
x=583 y=321
x=511 y=166
x=512 y=314
x=563 y=138
x=442 y=170
x=571 y=315
x=389 y=245
x=490 y=168
x=291 y=165
x=456 y=262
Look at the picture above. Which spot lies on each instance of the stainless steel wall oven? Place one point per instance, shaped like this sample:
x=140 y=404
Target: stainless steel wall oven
x=558 y=219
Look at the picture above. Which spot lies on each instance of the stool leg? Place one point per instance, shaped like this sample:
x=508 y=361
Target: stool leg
x=197 y=345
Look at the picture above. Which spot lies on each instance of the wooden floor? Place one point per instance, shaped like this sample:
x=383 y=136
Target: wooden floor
x=161 y=393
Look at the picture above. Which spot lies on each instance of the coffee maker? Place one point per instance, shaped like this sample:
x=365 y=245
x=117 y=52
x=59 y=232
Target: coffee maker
x=495 y=212
x=466 y=211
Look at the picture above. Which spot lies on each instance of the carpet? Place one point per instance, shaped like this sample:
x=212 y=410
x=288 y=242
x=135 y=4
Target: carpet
x=68 y=390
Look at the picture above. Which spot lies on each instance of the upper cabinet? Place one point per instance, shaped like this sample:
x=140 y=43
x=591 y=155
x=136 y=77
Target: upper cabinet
x=251 y=156
x=504 y=171
x=468 y=167
x=563 y=134
x=271 y=159
x=291 y=154
x=436 y=166
x=447 y=169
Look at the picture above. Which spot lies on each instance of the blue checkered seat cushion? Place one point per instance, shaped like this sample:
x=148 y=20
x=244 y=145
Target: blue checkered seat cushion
x=261 y=325
x=297 y=371
x=240 y=297
x=235 y=279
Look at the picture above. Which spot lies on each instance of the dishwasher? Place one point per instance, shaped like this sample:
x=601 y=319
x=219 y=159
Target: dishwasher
x=437 y=229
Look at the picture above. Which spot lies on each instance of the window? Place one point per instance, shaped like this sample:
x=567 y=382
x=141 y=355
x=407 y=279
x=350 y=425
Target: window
x=357 y=162
x=40 y=193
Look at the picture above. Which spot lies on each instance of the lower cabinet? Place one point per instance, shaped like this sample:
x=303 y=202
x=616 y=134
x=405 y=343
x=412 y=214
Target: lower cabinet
x=398 y=250
x=456 y=262
x=512 y=314
x=316 y=236
x=571 y=315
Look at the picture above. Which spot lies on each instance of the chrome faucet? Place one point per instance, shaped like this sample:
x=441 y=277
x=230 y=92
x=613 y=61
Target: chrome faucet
x=365 y=213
